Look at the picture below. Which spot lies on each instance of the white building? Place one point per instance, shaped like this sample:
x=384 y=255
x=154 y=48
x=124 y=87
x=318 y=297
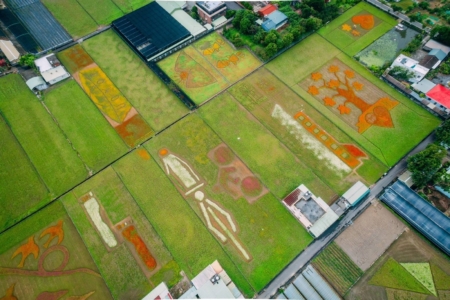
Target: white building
x=159 y=292
x=51 y=69
x=310 y=210
x=411 y=65
x=10 y=51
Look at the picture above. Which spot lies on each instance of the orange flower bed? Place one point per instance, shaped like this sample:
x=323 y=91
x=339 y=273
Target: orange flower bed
x=131 y=234
x=365 y=21
x=134 y=130
x=143 y=154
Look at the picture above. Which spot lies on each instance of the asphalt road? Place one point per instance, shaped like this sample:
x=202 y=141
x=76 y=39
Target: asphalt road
x=297 y=265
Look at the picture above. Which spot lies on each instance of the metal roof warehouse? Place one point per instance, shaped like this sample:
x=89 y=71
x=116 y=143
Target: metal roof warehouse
x=151 y=30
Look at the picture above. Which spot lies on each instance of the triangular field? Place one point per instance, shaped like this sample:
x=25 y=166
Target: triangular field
x=441 y=279
x=422 y=272
x=393 y=275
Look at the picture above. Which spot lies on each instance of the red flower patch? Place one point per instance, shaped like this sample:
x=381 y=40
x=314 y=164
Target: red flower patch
x=133 y=237
x=223 y=156
x=251 y=186
x=354 y=151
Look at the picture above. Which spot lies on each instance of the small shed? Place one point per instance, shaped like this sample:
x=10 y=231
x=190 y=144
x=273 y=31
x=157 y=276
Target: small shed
x=36 y=83
x=424 y=86
x=356 y=193
x=10 y=51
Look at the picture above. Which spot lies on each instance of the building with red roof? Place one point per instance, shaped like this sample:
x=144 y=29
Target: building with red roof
x=267 y=10
x=441 y=95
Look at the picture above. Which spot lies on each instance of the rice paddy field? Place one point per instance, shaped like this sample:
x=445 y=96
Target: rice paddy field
x=357 y=28
x=144 y=189
x=208 y=66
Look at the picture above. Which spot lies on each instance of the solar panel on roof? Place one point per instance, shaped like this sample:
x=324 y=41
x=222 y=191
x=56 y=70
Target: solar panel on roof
x=150 y=30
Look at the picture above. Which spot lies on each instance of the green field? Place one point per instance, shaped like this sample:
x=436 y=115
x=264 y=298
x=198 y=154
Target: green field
x=188 y=240
x=208 y=66
x=393 y=275
x=337 y=268
x=121 y=271
x=28 y=285
x=21 y=188
x=45 y=144
x=84 y=125
x=128 y=6
x=72 y=17
x=259 y=223
x=352 y=45
x=134 y=79
x=273 y=95
x=102 y=11
x=265 y=155
x=386 y=144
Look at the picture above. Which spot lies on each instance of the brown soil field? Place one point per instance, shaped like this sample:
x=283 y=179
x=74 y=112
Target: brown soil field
x=370 y=235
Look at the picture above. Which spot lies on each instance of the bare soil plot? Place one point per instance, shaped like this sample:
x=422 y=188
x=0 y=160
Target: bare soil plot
x=370 y=235
x=421 y=272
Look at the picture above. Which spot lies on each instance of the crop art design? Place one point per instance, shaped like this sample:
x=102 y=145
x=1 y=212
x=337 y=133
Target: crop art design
x=218 y=220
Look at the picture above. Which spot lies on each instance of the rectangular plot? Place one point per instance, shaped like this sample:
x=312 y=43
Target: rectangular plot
x=21 y=188
x=72 y=17
x=315 y=140
x=190 y=243
x=232 y=196
x=134 y=79
x=75 y=59
x=45 y=253
x=233 y=64
x=122 y=242
x=84 y=125
x=40 y=136
x=102 y=11
x=193 y=74
x=259 y=149
x=129 y=5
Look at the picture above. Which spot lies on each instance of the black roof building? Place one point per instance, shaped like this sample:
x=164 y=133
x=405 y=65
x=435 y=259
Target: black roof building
x=427 y=219
x=429 y=61
x=150 y=30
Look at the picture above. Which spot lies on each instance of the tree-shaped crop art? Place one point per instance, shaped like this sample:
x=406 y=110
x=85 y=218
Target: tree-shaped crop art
x=342 y=90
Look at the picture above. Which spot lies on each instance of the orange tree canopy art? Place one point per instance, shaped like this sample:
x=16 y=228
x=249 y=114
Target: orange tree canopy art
x=359 y=24
x=347 y=93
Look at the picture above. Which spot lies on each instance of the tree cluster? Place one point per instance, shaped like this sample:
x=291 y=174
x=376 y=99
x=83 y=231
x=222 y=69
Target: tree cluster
x=441 y=34
x=27 y=60
x=401 y=73
x=306 y=16
x=425 y=164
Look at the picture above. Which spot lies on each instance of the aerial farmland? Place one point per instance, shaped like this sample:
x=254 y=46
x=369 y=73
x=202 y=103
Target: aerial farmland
x=110 y=185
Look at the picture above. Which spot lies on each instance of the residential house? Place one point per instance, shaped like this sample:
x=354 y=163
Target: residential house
x=433 y=59
x=209 y=11
x=274 y=20
x=51 y=69
x=412 y=66
x=267 y=10
x=432 y=44
x=439 y=95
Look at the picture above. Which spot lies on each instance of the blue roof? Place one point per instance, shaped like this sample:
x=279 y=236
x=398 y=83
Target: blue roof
x=419 y=213
x=274 y=20
x=438 y=53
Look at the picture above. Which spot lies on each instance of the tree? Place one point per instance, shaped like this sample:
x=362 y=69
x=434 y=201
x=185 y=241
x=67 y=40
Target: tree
x=27 y=60
x=442 y=178
x=424 y=5
x=296 y=31
x=271 y=37
x=194 y=13
x=443 y=134
x=318 y=5
x=259 y=36
x=312 y=23
x=425 y=164
x=271 y=49
x=396 y=7
x=441 y=34
x=245 y=25
x=237 y=18
x=230 y=13
x=288 y=38
x=401 y=73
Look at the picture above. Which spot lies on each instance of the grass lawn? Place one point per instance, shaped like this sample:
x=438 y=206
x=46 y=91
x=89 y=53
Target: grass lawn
x=386 y=144
x=55 y=160
x=26 y=286
x=72 y=17
x=193 y=74
x=188 y=240
x=21 y=188
x=90 y=133
x=393 y=275
x=128 y=6
x=118 y=266
x=337 y=268
x=264 y=154
x=326 y=165
x=262 y=224
x=223 y=58
x=405 y=4
x=352 y=45
x=102 y=11
x=299 y=61
x=148 y=94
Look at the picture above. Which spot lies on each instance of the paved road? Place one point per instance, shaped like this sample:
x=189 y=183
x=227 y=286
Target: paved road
x=314 y=248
